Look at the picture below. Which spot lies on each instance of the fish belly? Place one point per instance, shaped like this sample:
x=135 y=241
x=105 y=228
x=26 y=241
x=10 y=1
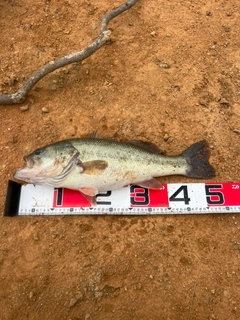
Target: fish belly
x=120 y=174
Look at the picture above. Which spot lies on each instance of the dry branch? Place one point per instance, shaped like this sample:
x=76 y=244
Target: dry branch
x=51 y=66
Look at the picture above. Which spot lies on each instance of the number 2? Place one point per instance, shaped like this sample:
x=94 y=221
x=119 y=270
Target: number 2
x=104 y=195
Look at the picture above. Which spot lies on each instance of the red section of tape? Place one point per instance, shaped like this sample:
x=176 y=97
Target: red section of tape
x=66 y=198
x=149 y=198
x=223 y=194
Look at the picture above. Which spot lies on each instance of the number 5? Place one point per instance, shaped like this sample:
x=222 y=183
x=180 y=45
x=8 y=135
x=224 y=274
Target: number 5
x=214 y=197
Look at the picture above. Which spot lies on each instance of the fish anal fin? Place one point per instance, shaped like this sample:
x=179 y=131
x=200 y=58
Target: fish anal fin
x=94 y=167
x=148 y=146
x=150 y=184
x=90 y=195
x=91 y=200
x=89 y=191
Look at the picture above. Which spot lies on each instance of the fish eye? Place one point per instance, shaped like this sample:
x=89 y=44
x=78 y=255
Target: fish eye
x=38 y=152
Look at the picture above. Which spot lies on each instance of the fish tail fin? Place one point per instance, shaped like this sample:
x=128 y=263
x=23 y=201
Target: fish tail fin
x=197 y=157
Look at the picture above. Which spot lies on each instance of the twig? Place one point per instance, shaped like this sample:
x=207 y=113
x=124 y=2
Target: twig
x=51 y=66
x=190 y=310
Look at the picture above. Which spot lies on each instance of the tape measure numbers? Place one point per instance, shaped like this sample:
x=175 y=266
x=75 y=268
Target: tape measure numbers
x=172 y=199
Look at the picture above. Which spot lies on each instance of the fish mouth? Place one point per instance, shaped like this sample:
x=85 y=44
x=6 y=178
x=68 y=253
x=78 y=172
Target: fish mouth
x=23 y=173
x=29 y=162
x=31 y=174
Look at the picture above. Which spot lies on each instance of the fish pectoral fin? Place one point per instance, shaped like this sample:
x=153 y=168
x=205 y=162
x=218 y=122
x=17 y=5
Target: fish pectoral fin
x=94 y=167
x=151 y=184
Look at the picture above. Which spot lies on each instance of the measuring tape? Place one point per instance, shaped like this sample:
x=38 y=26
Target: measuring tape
x=174 y=198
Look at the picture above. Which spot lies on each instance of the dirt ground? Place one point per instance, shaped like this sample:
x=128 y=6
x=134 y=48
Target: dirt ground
x=169 y=75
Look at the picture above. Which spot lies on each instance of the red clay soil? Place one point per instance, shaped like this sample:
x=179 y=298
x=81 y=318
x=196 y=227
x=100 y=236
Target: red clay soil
x=169 y=75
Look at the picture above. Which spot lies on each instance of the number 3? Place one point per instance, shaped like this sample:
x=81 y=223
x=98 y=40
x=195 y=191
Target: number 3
x=139 y=196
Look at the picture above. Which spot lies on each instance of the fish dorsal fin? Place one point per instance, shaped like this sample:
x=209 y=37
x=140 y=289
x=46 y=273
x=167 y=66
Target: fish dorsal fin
x=94 y=167
x=94 y=135
x=148 y=146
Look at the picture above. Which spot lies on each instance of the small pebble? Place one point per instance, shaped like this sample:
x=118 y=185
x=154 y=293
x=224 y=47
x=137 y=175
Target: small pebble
x=236 y=131
x=31 y=101
x=72 y=302
x=138 y=286
x=45 y=110
x=79 y=296
x=36 y=237
x=166 y=137
x=13 y=140
x=24 y=108
x=11 y=82
x=226 y=293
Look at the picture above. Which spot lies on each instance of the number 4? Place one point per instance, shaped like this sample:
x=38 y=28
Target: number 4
x=185 y=197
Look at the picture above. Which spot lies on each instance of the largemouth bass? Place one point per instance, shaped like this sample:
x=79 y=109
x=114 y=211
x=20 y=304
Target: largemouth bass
x=93 y=165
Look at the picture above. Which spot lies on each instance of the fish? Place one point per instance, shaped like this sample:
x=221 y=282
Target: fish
x=93 y=165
